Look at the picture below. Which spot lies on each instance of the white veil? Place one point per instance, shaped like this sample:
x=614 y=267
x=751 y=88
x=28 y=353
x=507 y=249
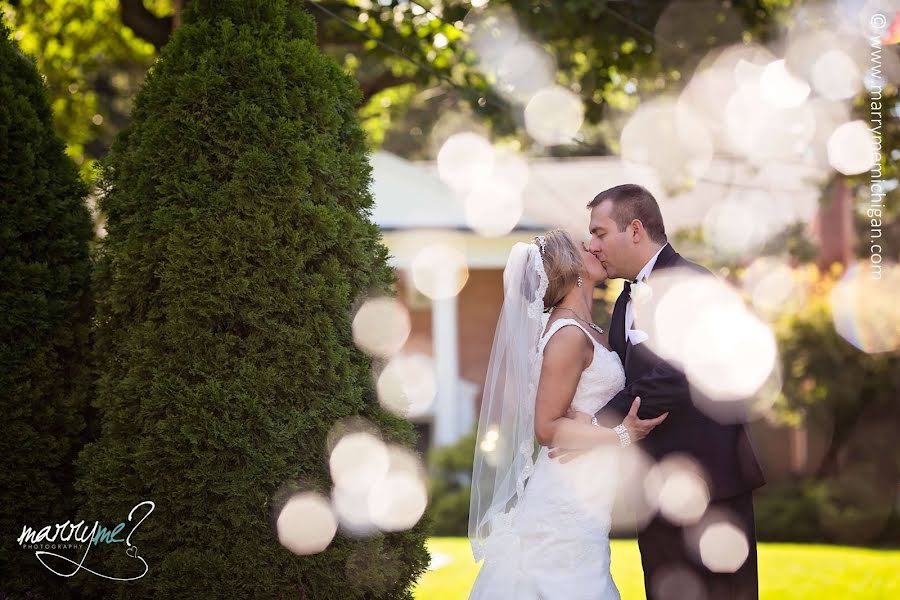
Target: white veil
x=505 y=444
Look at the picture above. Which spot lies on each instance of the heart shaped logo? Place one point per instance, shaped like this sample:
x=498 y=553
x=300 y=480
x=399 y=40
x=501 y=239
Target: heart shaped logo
x=132 y=551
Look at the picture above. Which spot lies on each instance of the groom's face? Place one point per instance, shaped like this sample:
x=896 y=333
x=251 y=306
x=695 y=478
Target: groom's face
x=611 y=246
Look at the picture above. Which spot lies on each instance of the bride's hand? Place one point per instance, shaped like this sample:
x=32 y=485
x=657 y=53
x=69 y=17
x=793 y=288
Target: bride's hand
x=638 y=428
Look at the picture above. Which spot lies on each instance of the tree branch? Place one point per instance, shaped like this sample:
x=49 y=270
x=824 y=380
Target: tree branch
x=145 y=24
x=373 y=85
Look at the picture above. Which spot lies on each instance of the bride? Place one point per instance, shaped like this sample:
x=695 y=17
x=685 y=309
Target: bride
x=548 y=539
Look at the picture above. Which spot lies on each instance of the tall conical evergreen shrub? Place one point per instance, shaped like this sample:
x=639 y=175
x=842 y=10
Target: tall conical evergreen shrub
x=45 y=230
x=238 y=240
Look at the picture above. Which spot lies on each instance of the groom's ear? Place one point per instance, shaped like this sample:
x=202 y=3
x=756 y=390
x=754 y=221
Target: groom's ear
x=637 y=230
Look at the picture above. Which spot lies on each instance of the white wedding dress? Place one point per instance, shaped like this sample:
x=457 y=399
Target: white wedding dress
x=554 y=544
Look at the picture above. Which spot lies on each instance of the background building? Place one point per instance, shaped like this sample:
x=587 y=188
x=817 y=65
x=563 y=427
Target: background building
x=416 y=210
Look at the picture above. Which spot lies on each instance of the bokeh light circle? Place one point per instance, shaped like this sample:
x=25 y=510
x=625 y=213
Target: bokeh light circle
x=440 y=271
x=306 y=524
x=381 y=326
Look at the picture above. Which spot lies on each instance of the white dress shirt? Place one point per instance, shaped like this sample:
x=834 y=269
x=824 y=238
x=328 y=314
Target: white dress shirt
x=635 y=336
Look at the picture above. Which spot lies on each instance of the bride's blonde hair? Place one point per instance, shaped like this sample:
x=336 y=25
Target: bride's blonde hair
x=562 y=264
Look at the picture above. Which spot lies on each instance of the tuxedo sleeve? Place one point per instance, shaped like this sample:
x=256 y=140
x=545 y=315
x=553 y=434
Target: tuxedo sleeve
x=663 y=389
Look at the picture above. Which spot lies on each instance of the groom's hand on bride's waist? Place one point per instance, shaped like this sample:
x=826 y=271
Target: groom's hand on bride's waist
x=636 y=427
x=577 y=415
x=566 y=454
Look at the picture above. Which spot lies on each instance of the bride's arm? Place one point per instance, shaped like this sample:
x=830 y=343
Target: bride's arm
x=565 y=357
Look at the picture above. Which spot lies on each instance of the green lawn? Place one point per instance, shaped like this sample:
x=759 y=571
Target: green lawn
x=786 y=572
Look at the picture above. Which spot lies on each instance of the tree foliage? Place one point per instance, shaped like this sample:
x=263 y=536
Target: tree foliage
x=847 y=396
x=238 y=241
x=92 y=65
x=45 y=230
x=94 y=52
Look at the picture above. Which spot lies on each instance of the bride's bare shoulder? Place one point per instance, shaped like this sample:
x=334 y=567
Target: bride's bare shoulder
x=554 y=318
x=566 y=345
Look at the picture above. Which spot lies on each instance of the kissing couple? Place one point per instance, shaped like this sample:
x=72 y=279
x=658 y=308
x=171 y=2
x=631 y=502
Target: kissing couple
x=563 y=403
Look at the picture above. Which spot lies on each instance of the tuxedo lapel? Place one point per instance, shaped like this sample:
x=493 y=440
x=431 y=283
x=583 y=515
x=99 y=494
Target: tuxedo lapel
x=667 y=258
x=627 y=349
x=617 y=338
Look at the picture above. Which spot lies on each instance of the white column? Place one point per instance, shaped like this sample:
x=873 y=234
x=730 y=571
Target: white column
x=465 y=411
x=444 y=335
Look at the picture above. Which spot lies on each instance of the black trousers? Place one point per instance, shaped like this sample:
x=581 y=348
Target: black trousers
x=674 y=568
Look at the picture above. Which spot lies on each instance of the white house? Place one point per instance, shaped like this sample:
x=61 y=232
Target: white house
x=415 y=208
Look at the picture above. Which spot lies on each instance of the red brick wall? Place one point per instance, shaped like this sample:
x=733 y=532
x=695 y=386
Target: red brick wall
x=478 y=307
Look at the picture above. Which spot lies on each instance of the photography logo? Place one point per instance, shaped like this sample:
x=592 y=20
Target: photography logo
x=69 y=536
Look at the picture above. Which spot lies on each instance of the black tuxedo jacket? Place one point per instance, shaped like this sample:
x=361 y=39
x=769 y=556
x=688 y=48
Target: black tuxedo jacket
x=724 y=451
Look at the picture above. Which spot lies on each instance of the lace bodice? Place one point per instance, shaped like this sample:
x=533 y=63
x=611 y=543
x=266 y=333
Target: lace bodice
x=601 y=380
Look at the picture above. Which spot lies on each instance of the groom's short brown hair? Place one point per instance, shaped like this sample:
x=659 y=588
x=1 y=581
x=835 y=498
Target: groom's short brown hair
x=631 y=201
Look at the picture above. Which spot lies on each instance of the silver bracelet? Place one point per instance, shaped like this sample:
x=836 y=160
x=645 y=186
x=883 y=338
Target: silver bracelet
x=624 y=438
x=594 y=421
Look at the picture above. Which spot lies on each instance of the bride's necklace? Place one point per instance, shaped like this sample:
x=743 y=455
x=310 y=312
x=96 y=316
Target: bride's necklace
x=591 y=324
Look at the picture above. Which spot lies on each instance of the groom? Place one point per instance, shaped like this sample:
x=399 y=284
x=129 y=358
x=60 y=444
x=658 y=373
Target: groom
x=629 y=238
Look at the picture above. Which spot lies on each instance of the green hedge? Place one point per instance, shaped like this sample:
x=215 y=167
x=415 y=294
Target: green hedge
x=826 y=511
x=831 y=511
x=787 y=513
x=45 y=231
x=238 y=241
x=450 y=488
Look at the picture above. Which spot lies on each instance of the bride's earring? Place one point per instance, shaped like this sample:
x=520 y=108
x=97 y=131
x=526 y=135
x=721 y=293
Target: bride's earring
x=579 y=282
